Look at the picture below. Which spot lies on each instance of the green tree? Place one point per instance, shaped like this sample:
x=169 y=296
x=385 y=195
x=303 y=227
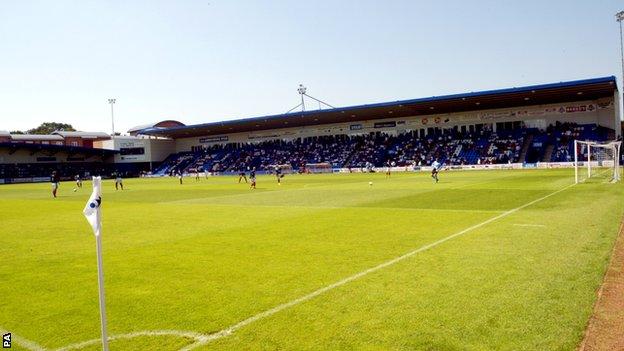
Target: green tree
x=16 y=132
x=49 y=127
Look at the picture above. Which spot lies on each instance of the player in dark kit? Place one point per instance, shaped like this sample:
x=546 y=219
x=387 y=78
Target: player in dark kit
x=278 y=174
x=242 y=175
x=252 y=177
x=118 y=180
x=55 y=179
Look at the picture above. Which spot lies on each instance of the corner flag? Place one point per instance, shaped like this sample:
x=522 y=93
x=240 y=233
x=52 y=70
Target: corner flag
x=92 y=213
x=92 y=208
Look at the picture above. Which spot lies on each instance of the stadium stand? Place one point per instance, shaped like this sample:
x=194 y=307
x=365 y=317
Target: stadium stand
x=451 y=147
x=68 y=170
x=39 y=160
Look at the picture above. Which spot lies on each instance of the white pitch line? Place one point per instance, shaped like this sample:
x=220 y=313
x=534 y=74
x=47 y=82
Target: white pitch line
x=184 y=334
x=529 y=225
x=231 y=329
x=25 y=343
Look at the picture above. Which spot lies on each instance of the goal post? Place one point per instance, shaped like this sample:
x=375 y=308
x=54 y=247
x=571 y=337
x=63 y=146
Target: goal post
x=597 y=160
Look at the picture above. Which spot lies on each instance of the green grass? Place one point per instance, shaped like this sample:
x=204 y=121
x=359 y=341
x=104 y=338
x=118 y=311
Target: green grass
x=205 y=255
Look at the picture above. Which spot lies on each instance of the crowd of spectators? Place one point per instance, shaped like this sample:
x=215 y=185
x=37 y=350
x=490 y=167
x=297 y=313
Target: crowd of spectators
x=364 y=151
x=367 y=151
x=562 y=136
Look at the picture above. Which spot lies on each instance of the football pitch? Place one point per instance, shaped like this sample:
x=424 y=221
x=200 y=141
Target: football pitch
x=483 y=260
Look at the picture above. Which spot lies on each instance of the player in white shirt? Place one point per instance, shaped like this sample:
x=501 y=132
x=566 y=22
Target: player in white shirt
x=435 y=169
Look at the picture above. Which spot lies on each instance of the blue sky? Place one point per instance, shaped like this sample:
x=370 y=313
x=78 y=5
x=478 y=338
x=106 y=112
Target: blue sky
x=200 y=61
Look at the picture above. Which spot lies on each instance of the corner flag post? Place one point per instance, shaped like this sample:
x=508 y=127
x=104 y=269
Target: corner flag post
x=93 y=214
x=98 y=240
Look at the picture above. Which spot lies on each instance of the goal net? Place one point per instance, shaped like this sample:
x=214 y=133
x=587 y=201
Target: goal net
x=324 y=167
x=285 y=168
x=597 y=160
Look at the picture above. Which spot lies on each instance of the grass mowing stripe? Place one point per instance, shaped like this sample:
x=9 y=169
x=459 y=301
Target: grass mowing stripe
x=228 y=331
x=25 y=343
x=322 y=207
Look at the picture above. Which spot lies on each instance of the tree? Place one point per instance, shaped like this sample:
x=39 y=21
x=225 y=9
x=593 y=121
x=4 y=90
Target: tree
x=16 y=132
x=49 y=127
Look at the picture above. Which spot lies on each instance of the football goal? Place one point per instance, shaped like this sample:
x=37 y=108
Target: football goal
x=596 y=160
x=324 y=167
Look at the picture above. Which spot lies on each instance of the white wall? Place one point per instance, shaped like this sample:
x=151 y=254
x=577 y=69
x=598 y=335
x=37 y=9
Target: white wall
x=156 y=150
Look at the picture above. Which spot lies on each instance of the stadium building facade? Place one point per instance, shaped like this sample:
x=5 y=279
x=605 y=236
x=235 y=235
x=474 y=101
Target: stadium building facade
x=32 y=157
x=526 y=124
x=517 y=125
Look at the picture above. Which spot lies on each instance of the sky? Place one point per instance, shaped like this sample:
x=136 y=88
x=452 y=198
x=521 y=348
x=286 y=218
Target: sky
x=203 y=61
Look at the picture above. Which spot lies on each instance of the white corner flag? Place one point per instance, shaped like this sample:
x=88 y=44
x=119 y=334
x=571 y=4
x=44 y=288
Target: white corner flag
x=92 y=212
x=92 y=208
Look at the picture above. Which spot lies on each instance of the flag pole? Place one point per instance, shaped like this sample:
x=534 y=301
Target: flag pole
x=98 y=241
x=93 y=214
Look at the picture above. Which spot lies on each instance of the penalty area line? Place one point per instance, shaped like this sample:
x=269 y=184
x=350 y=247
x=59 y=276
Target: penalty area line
x=231 y=329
